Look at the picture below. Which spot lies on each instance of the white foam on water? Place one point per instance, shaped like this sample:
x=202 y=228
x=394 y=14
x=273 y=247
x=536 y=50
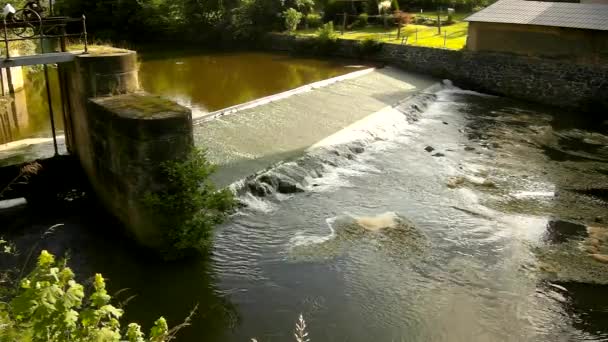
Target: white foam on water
x=532 y=194
x=450 y=89
x=301 y=239
x=258 y=204
x=382 y=125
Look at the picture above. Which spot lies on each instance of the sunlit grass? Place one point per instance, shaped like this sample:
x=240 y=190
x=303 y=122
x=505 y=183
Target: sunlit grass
x=95 y=48
x=452 y=36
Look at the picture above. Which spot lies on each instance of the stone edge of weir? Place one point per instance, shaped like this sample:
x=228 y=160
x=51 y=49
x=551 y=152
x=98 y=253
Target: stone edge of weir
x=276 y=97
x=121 y=136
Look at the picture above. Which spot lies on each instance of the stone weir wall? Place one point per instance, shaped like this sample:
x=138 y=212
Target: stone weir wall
x=553 y=82
x=122 y=136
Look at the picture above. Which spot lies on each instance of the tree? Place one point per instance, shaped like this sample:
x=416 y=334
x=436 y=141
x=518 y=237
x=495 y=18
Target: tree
x=383 y=8
x=401 y=19
x=292 y=19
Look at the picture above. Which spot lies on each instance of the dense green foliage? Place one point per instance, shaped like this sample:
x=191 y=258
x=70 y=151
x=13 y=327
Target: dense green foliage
x=314 y=20
x=292 y=19
x=213 y=20
x=191 y=207
x=49 y=305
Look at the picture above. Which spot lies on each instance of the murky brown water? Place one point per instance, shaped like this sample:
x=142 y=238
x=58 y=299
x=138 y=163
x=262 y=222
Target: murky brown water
x=202 y=81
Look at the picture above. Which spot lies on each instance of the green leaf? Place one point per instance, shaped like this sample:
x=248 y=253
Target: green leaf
x=45 y=259
x=159 y=330
x=89 y=318
x=74 y=295
x=134 y=333
x=111 y=311
x=70 y=319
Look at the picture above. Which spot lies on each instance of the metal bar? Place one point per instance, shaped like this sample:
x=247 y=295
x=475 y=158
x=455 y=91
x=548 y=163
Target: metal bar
x=9 y=81
x=8 y=55
x=2 y=82
x=41 y=34
x=64 y=110
x=63 y=40
x=47 y=36
x=84 y=30
x=50 y=103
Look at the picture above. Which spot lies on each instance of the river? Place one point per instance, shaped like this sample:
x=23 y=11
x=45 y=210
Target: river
x=486 y=201
x=481 y=247
x=202 y=81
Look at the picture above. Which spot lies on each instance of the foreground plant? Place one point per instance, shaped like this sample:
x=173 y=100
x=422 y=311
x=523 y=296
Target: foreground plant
x=50 y=305
x=300 y=332
x=23 y=177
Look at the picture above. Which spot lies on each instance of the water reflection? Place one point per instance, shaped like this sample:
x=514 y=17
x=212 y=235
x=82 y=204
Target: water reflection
x=205 y=82
x=25 y=113
x=208 y=82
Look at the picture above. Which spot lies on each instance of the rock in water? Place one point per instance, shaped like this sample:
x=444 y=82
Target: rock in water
x=429 y=149
x=376 y=223
x=454 y=182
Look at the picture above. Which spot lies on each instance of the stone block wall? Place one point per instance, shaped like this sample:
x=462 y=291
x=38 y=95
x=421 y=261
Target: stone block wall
x=122 y=136
x=553 y=82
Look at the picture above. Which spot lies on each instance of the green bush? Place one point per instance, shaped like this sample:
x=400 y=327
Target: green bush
x=292 y=19
x=313 y=20
x=49 y=305
x=192 y=207
x=326 y=39
x=362 y=21
x=369 y=46
x=326 y=33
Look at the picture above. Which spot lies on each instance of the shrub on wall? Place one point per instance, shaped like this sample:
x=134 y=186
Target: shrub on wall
x=368 y=47
x=326 y=39
x=192 y=206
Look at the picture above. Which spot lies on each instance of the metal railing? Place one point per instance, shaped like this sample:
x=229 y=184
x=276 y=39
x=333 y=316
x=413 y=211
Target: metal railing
x=28 y=24
x=36 y=28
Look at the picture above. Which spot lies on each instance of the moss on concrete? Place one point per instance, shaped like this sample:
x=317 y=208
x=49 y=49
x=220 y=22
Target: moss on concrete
x=142 y=106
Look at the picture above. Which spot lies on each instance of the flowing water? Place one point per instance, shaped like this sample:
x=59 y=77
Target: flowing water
x=459 y=218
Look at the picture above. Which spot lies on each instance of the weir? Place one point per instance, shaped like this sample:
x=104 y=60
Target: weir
x=121 y=136
x=281 y=127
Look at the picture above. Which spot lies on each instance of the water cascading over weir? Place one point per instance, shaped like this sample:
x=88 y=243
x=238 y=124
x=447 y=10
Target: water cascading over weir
x=120 y=135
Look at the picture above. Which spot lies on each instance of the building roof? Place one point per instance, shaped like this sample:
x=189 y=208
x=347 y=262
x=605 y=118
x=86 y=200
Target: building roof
x=559 y=14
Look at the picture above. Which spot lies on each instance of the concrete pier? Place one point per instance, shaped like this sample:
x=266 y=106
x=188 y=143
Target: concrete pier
x=122 y=137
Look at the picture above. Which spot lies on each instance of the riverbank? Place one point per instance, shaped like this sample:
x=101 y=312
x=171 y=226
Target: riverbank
x=559 y=83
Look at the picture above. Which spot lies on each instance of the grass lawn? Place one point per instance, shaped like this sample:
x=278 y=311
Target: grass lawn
x=455 y=35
